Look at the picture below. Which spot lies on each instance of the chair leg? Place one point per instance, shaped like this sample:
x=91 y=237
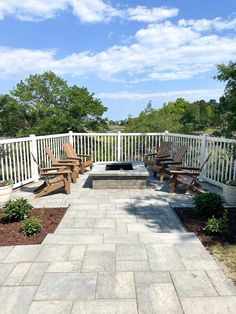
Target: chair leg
x=172 y=183
x=67 y=181
x=82 y=169
x=39 y=188
x=154 y=174
x=162 y=175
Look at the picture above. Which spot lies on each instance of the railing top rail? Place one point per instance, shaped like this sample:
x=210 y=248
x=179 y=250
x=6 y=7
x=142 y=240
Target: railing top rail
x=221 y=139
x=41 y=137
x=95 y=134
x=183 y=135
x=15 y=140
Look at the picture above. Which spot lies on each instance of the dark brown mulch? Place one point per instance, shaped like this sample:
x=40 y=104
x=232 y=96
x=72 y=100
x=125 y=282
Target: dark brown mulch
x=10 y=233
x=194 y=224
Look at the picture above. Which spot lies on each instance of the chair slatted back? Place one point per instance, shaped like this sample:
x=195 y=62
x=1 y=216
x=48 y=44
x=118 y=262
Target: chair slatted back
x=180 y=153
x=51 y=155
x=164 y=149
x=70 y=150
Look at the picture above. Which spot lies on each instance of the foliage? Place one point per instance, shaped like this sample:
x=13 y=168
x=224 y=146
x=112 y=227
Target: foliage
x=227 y=108
x=45 y=104
x=16 y=210
x=6 y=183
x=217 y=225
x=31 y=226
x=208 y=204
x=178 y=116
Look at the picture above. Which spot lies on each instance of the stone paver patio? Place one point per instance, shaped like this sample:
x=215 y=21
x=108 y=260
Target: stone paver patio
x=115 y=251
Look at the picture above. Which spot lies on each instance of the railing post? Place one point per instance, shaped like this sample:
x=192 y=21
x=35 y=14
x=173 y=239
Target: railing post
x=166 y=135
x=204 y=152
x=71 y=137
x=33 y=150
x=118 y=143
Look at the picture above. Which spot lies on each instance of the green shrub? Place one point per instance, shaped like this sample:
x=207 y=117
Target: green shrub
x=217 y=225
x=16 y=210
x=208 y=204
x=31 y=226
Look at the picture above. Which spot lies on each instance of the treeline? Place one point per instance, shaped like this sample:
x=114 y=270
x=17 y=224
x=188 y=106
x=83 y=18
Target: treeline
x=179 y=116
x=46 y=104
x=182 y=116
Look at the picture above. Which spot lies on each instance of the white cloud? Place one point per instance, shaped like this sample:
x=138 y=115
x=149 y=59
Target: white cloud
x=143 y=14
x=32 y=10
x=189 y=94
x=157 y=52
x=206 y=25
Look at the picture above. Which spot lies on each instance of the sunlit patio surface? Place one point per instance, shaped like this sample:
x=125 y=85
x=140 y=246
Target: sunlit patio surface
x=115 y=251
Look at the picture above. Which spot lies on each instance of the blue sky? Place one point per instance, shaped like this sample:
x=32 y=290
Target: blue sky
x=126 y=52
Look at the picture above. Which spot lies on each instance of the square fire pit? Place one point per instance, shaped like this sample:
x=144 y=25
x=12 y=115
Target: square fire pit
x=119 y=175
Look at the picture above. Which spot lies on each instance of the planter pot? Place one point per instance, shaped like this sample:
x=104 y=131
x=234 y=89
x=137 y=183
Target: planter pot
x=5 y=193
x=229 y=193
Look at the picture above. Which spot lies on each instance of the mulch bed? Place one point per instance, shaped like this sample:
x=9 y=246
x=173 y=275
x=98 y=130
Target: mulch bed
x=10 y=233
x=193 y=224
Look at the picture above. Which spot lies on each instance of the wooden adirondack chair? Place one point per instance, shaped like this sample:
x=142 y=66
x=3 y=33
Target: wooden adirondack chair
x=83 y=161
x=187 y=177
x=163 y=151
x=54 y=179
x=71 y=164
x=164 y=165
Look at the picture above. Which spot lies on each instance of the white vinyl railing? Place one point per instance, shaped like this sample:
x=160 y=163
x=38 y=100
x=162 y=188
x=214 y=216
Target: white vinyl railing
x=17 y=164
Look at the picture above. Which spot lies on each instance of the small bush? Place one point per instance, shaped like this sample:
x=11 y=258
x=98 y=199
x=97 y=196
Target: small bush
x=16 y=210
x=208 y=204
x=31 y=226
x=217 y=225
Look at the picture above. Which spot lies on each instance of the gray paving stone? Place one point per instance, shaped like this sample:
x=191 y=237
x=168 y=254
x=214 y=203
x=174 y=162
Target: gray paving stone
x=83 y=223
x=96 y=214
x=65 y=223
x=5 y=270
x=104 y=230
x=50 y=253
x=115 y=306
x=4 y=251
x=47 y=307
x=193 y=251
x=76 y=231
x=200 y=264
x=192 y=284
x=163 y=257
x=115 y=285
x=139 y=227
x=121 y=238
x=223 y=285
x=16 y=300
x=130 y=252
x=18 y=273
x=100 y=258
x=211 y=305
x=76 y=253
x=64 y=286
x=156 y=298
x=105 y=223
x=22 y=253
x=82 y=207
x=132 y=266
x=152 y=277
x=73 y=239
x=64 y=267
x=121 y=227
x=169 y=238
x=35 y=274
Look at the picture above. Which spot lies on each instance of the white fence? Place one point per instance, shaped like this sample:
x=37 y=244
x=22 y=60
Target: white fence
x=17 y=163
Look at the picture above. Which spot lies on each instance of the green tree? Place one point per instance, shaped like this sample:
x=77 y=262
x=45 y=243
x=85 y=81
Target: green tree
x=227 y=108
x=45 y=104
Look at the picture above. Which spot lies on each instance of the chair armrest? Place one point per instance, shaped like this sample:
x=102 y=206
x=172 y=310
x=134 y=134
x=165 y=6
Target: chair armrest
x=74 y=158
x=51 y=168
x=171 y=163
x=56 y=173
x=164 y=156
x=190 y=168
x=190 y=173
x=152 y=154
x=63 y=164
